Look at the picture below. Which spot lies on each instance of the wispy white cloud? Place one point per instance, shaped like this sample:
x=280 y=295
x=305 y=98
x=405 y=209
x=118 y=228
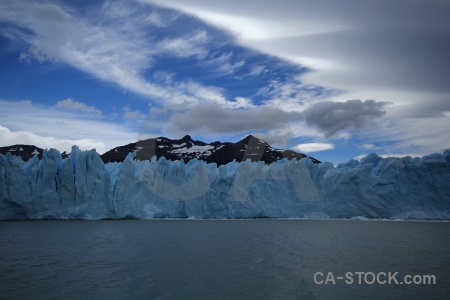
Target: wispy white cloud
x=368 y=146
x=130 y=114
x=105 y=46
x=420 y=136
x=191 y=45
x=257 y=70
x=24 y=103
x=241 y=102
x=155 y=18
x=313 y=147
x=194 y=92
x=224 y=63
x=77 y=106
x=164 y=77
x=110 y=53
x=292 y=94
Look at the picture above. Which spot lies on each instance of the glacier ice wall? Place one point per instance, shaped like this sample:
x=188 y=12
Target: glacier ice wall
x=83 y=187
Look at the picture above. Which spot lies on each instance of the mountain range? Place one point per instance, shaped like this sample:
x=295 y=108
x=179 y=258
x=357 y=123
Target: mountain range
x=184 y=149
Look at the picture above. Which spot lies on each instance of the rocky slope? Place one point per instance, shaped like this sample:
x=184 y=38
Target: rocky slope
x=186 y=149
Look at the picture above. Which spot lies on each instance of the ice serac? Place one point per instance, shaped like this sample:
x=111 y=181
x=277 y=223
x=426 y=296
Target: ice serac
x=73 y=188
x=81 y=186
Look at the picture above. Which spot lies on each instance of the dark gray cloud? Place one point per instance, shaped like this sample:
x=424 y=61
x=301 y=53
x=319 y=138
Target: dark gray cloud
x=329 y=117
x=332 y=117
x=211 y=118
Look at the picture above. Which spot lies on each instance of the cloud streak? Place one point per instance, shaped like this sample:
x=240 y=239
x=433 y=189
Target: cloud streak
x=77 y=106
x=313 y=147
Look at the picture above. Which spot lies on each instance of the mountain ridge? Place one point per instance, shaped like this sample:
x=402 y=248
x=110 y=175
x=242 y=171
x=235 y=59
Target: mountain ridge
x=184 y=149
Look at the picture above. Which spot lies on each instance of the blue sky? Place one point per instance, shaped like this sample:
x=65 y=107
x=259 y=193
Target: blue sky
x=333 y=79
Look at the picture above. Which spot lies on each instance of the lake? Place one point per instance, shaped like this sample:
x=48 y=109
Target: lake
x=223 y=259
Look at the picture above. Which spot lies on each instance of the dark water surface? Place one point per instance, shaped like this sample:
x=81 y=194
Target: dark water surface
x=239 y=259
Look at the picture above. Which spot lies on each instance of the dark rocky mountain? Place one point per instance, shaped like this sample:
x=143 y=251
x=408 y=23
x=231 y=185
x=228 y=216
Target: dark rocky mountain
x=25 y=152
x=186 y=149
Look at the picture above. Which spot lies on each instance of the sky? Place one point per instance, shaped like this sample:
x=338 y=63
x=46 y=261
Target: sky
x=335 y=79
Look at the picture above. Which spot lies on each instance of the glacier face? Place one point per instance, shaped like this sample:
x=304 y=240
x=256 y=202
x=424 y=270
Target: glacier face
x=83 y=187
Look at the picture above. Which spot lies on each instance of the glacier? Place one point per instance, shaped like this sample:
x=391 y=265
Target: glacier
x=81 y=186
